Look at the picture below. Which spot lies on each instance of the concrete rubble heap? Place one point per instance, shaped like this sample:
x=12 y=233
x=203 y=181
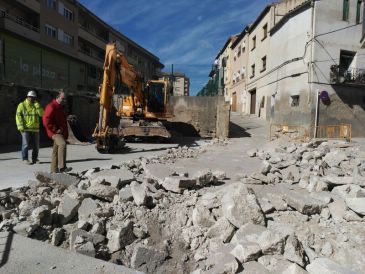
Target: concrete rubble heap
x=301 y=212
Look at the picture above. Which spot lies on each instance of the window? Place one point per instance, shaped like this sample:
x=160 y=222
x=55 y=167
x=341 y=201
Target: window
x=50 y=31
x=253 y=42
x=345 y=12
x=67 y=39
x=294 y=101
x=67 y=14
x=243 y=47
x=358 y=7
x=264 y=32
x=263 y=59
x=239 y=51
x=51 y=4
x=252 y=71
x=346 y=59
x=243 y=71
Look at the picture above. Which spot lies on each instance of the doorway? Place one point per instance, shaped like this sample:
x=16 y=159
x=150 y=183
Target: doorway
x=234 y=102
x=253 y=102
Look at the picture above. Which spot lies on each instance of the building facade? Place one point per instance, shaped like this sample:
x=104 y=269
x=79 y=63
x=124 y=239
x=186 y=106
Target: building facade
x=237 y=89
x=321 y=79
x=179 y=81
x=52 y=44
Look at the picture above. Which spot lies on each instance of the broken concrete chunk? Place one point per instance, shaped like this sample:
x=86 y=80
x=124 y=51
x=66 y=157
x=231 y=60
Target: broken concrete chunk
x=271 y=243
x=327 y=266
x=147 y=259
x=334 y=158
x=125 y=194
x=62 y=179
x=303 y=203
x=139 y=193
x=120 y=236
x=254 y=268
x=202 y=217
x=42 y=215
x=86 y=248
x=294 y=251
x=87 y=208
x=67 y=209
x=103 y=192
x=25 y=228
x=357 y=205
x=58 y=235
x=349 y=191
x=222 y=229
x=248 y=232
x=220 y=263
x=178 y=184
x=203 y=177
x=79 y=235
x=246 y=251
x=294 y=269
x=239 y=206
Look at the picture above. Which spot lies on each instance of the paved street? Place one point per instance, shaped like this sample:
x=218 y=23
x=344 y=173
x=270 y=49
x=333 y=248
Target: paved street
x=13 y=173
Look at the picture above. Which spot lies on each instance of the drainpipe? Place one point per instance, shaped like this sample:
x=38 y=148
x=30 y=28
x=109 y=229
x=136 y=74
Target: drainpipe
x=313 y=26
x=316 y=115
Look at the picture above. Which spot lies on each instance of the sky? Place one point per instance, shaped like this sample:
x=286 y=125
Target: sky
x=186 y=33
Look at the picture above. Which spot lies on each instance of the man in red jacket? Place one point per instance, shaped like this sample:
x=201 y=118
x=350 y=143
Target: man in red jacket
x=55 y=122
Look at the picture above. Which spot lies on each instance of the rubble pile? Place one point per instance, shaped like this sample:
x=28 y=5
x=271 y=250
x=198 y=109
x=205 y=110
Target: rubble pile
x=301 y=212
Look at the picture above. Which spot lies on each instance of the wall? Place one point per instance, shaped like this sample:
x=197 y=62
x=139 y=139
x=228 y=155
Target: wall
x=290 y=79
x=333 y=35
x=255 y=56
x=208 y=115
x=26 y=64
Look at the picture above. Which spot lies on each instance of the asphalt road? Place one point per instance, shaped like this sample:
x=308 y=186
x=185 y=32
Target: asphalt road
x=14 y=173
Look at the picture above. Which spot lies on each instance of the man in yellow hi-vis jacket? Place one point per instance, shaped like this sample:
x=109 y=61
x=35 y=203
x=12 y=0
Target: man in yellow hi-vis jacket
x=27 y=121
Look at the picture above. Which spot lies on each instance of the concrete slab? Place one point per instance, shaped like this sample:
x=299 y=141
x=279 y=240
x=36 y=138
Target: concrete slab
x=23 y=255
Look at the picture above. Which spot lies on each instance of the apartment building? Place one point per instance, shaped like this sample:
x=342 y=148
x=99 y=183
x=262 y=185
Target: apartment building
x=320 y=80
x=50 y=44
x=238 y=67
x=180 y=83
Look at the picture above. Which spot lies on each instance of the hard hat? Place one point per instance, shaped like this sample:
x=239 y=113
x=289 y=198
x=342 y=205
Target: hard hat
x=31 y=93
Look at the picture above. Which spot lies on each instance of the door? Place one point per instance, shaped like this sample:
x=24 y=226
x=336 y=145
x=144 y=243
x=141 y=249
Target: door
x=234 y=102
x=253 y=102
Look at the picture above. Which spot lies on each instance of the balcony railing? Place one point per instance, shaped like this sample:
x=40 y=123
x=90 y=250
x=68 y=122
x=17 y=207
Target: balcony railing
x=19 y=21
x=340 y=75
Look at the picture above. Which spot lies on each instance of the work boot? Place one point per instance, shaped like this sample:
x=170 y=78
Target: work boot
x=65 y=169
x=36 y=161
x=27 y=162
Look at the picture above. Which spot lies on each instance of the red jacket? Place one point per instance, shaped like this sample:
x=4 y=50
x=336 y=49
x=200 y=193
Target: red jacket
x=55 y=119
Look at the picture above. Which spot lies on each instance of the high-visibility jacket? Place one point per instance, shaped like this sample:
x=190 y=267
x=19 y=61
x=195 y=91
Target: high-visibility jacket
x=27 y=116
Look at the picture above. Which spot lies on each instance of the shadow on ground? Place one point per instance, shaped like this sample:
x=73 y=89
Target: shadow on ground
x=236 y=131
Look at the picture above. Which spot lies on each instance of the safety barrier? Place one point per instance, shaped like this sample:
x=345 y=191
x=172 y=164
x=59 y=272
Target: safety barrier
x=339 y=132
x=294 y=132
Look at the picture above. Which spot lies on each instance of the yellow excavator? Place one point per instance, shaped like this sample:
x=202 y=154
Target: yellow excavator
x=128 y=106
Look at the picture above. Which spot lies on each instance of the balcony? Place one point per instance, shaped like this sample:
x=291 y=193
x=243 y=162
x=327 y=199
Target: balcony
x=18 y=26
x=88 y=57
x=92 y=38
x=31 y=4
x=352 y=76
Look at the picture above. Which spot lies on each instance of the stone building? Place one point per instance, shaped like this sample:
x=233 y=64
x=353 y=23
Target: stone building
x=179 y=82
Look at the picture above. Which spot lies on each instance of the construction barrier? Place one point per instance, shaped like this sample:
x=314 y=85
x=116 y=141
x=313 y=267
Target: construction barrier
x=294 y=132
x=338 y=132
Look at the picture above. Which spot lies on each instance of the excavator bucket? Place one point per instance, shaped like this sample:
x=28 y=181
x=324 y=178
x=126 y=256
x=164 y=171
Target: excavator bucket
x=143 y=128
x=75 y=135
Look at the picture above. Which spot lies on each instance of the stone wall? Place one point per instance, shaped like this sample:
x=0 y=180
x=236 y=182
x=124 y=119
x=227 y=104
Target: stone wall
x=208 y=115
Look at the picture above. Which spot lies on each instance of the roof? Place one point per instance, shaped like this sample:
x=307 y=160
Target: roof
x=240 y=36
x=298 y=9
x=230 y=38
x=259 y=18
